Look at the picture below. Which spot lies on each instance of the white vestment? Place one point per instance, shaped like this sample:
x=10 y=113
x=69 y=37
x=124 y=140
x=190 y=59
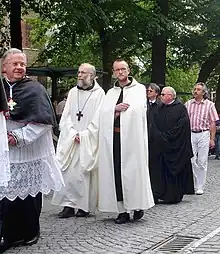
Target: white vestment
x=33 y=165
x=4 y=153
x=137 y=193
x=79 y=161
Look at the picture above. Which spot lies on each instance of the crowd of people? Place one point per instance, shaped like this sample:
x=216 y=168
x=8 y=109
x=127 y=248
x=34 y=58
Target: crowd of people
x=121 y=152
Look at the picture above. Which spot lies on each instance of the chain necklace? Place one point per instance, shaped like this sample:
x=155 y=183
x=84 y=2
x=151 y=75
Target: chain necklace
x=80 y=114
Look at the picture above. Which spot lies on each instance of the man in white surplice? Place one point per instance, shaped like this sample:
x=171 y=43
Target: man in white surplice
x=33 y=166
x=124 y=183
x=77 y=148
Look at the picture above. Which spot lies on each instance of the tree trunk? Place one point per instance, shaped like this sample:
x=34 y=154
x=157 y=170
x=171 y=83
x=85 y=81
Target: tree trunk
x=106 y=60
x=15 y=24
x=208 y=66
x=159 y=48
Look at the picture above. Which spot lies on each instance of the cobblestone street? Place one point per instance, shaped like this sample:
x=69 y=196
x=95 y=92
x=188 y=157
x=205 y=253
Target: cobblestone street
x=197 y=216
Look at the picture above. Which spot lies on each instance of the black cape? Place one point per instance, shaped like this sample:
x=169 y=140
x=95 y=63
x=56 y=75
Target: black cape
x=172 y=135
x=33 y=104
x=3 y=100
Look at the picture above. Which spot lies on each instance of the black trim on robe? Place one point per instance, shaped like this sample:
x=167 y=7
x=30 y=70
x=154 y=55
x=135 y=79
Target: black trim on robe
x=33 y=104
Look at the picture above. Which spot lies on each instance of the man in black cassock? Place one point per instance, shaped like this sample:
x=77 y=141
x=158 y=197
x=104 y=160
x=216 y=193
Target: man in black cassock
x=153 y=103
x=173 y=136
x=33 y=166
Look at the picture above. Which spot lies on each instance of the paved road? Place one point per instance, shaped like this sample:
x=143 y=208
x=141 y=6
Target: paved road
x=196 y=216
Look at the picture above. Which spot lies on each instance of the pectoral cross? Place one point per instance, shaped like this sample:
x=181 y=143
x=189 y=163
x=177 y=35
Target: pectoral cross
x=79 y=115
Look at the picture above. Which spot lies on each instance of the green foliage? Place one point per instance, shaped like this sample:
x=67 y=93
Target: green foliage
x=182 y=80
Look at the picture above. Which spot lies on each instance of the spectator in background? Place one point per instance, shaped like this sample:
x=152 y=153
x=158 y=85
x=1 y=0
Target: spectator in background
x=203 y=115
x=60 y=107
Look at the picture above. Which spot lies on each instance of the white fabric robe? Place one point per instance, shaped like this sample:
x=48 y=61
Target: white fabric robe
x=33 y=165
x=137 y=193
x=4 y=153
x=79 y=161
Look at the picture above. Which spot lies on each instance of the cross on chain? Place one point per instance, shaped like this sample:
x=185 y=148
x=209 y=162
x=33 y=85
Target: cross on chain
x=79 y=115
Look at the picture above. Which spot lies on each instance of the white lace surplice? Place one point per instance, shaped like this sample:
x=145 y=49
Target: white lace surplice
x=33 y=164
x=4 y=153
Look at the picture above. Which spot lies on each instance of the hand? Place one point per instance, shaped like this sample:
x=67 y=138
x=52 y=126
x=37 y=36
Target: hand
x=211 y=143
x=121 y=107
x=77 y=138
x=11 y=140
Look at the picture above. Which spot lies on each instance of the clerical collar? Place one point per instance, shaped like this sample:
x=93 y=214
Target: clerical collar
x=152 y=101
x=86 y=89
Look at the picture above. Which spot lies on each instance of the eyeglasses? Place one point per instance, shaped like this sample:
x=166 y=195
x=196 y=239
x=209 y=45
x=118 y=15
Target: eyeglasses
x=122 y=69
x=162 y=94
x=150 y=91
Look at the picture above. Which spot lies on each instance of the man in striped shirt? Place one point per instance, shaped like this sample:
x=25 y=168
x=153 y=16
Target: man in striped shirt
x=202 y=114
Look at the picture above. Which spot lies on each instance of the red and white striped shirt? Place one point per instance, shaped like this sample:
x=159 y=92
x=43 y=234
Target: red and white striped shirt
x=201 y=114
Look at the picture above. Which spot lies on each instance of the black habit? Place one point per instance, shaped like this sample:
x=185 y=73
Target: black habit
x=172 y=136
x=117 y=149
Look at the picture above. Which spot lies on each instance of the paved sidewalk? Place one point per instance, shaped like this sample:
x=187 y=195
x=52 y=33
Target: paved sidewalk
x=196 y=216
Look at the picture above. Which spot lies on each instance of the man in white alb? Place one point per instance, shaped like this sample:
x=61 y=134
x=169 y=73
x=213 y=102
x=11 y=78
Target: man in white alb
x=77 y=148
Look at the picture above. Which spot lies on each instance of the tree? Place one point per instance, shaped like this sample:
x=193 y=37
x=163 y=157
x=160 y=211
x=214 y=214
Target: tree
x=159 y=46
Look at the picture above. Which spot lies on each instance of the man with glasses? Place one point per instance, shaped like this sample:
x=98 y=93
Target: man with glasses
x=77 y=147
x=33 y=166
x=202 y=114
x=153 y=104
x=124 y=183
x=172 y=135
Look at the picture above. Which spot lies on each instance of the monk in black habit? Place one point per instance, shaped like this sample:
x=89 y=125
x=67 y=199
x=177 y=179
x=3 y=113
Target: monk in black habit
x=173 y=138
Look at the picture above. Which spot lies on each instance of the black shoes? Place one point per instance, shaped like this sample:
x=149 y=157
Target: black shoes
x=138 y=214
x=122 y=218
x=7 y=245
x=32 y=241
x=81 y=213
x=67 y=212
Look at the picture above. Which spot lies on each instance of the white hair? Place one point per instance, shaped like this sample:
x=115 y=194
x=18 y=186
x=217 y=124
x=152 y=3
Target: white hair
x=12 y=51
x=172 y=91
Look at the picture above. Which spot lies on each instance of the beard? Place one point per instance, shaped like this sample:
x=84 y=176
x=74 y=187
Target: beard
x=85 y=82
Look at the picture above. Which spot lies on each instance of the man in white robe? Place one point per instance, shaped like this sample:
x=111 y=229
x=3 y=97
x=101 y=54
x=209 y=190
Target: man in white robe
x=77 y=148
x=124 y=183
x=33 y=166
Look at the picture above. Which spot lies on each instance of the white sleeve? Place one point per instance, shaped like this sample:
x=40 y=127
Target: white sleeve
x=29 y=133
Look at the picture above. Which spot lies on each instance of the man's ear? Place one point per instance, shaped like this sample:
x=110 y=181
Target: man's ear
x=129 y=71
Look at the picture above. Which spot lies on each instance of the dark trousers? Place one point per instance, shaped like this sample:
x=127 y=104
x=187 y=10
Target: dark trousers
x=20 y=218
x=117 y=165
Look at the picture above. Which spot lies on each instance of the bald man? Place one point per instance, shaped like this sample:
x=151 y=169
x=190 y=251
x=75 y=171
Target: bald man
x=173 y=136
x=77 y=147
